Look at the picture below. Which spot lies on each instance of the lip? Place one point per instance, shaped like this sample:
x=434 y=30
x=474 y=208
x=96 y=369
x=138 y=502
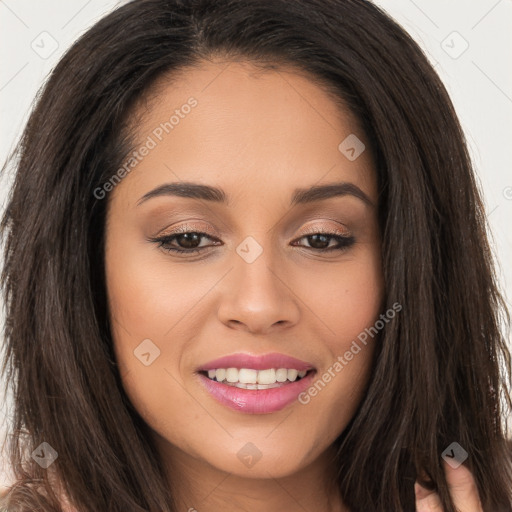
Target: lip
x=261 y=362
x=262 y=401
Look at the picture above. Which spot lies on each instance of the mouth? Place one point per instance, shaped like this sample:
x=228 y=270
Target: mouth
x=256 y=384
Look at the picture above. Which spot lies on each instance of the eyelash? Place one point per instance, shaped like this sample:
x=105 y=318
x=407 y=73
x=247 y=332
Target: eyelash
x=344 y=241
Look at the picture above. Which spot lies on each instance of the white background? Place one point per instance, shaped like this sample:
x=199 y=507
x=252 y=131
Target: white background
x=477 y=78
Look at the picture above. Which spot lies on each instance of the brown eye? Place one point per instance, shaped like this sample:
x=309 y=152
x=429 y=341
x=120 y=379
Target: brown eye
x=322 y=242
x=185 y=242
x=319 y=241
x=188 y=240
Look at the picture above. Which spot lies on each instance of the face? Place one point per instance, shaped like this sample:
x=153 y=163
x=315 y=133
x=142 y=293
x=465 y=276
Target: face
x=222 y=256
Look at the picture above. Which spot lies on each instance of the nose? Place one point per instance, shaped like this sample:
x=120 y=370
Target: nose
x=257 y=297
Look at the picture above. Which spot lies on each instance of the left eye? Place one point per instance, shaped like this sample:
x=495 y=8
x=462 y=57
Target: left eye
x=190 y=242
x=322 y=241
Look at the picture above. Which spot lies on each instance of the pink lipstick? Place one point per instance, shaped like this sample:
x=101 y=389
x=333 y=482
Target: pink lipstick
x=256 y=384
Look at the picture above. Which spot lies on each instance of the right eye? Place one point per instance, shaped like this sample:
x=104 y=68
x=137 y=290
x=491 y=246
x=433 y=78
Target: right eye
x=188 y=242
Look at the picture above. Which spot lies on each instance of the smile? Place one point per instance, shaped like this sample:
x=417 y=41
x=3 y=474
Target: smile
x=256 y=384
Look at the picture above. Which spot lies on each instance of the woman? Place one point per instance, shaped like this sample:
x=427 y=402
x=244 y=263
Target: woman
x=243 y=272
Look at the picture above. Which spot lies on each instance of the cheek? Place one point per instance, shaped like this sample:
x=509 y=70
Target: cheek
x=348 y=303
x=156 y=308
x=148 y=297
x=348 y=298
x=149 y=315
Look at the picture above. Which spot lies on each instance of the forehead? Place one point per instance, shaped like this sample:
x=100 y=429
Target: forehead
x=246 y=130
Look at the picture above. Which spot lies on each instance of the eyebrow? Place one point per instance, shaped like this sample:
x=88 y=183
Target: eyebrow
x=217 y=195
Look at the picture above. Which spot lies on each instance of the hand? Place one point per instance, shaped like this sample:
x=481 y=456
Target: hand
x=463 y=491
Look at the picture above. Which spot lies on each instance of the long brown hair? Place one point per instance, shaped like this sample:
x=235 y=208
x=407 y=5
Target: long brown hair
x=441 y=370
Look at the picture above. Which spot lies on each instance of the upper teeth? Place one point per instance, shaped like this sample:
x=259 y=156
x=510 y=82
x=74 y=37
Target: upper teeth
x=250 y=376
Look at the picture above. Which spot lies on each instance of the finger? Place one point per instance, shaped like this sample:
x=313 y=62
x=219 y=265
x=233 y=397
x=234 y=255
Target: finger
x=426 y=501
x=463 y=489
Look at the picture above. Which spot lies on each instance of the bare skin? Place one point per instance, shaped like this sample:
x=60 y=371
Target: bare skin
x=258 y=136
